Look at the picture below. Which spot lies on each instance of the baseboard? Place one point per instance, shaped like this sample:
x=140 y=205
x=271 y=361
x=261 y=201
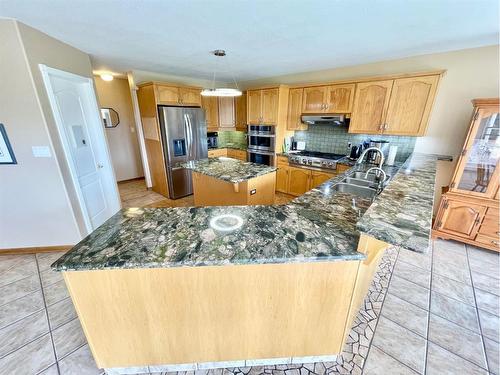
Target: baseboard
x=34 y=250
x=130 y=180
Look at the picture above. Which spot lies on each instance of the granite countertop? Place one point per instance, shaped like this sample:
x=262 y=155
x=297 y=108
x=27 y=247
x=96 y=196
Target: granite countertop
x=228 y=169
x=402 y=214
x=321 y=225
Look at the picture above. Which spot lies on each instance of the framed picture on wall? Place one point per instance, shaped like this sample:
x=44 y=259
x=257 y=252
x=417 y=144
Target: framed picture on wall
x=6 y=153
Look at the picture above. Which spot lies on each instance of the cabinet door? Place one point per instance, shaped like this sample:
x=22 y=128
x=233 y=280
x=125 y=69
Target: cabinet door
x=339 y=98
x=410 y=105
x=226 y=112
x=317 y=178
x=370 y=107
x=168 y=95
x=254 y=107
x=241 y=112
x=282 y=179
x=460 y=218
x=313 y=100
x=295 y=110
x=489 y=226
x=477 y=169
x=209 y=104
x=190 y=97
x=298 y=182
x=270 y=106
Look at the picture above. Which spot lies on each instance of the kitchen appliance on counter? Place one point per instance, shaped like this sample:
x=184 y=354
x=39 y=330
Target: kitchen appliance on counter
x=382 y=145
x=315 y=159
x=184 y=137
x=212 y=140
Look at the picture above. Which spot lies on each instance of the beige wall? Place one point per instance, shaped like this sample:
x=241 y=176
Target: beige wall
x=35 y=201
x=471 y=73
x=122 y=140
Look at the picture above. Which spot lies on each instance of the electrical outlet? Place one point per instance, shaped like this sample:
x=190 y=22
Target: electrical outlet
x=349 y=145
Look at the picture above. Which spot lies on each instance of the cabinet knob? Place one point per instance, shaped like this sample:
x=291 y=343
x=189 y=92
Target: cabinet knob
x=494 y=242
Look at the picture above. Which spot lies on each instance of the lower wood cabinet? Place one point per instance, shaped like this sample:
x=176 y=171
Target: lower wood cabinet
x=217 y=153
x=468 y=219
x=229 y=153
x=296 y=181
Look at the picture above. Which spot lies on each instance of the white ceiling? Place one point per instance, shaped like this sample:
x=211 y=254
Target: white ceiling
x=262 y=38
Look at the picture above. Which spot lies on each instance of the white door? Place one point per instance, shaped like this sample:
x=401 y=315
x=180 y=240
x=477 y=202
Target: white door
x=75 y=110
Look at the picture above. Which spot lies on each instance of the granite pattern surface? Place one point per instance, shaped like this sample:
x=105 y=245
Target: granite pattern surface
x=321 y=225
x=402 y=214
x=228 y=169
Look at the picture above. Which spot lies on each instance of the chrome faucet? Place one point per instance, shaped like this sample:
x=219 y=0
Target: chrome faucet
x=362 y=156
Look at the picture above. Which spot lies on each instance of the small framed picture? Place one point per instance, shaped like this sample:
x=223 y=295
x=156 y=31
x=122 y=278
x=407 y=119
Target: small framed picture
x=6 y=153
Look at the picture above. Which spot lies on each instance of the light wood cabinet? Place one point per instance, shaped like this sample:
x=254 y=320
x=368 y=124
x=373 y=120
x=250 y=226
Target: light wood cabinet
x=226 y=113
x=211 y=107
x=317 y=178
x=282 y=179
x=237 y=154
x=217 y=152
x=328 y=99
x=460 y=218
x=190 y=96
x=263 y=106
x=410 y=105
x=298 y=181
x=177 y=95
x=370 y=107
x=468 y=212
x=295 y=110
x=241 y=112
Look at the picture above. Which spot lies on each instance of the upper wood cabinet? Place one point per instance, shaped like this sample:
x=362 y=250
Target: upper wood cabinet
x=477 y=171
x=395 y=107
x=226 y=112
x=241 y=112
x=262 y=106
x=370 y=107
x=295 y=110
x=410 y=105
x=211 y=107
x=176 y=95
x=328 y=99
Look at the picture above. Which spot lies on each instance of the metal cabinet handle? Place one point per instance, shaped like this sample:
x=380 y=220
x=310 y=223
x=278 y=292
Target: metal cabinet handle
x=100 y=166
x=494 y=242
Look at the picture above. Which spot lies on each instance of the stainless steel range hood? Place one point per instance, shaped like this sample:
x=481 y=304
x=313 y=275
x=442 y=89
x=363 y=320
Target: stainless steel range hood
x=333 y=119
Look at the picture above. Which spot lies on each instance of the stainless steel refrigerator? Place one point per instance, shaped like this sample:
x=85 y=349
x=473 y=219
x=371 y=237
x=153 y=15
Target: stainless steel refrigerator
x=184 y=136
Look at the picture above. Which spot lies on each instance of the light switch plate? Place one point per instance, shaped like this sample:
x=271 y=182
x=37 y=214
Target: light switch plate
x=41 y=151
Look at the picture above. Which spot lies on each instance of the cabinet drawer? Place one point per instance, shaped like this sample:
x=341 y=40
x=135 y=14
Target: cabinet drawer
x=489 y=226
x=282 y=161
x=217 y=153
x=491 y=242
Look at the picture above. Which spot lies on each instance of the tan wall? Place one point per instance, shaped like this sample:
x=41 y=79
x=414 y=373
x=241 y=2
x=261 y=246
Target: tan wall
x=471 y=73
x=36 y=200
x=122 y=140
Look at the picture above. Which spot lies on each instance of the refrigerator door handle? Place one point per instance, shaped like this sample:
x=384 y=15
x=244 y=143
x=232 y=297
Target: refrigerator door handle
x=190 y=126
x=188 y=134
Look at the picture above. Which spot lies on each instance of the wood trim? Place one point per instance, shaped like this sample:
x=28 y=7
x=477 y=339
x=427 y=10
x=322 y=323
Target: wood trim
x=34 y=250
x=449 y=236
x=485 y=101
x=156 y=83
x=441 y=72
x=130 y=180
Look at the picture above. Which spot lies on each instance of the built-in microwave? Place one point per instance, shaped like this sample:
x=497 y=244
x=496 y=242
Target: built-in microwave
x=261 y=157
x=262 y=142
x=261 y=129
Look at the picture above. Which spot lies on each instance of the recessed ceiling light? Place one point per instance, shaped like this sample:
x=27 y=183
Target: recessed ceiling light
x=107 y=77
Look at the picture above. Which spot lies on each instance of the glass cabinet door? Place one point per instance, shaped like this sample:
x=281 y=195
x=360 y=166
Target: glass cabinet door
x=477 y=173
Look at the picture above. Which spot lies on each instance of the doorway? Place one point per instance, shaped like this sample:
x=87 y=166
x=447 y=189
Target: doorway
x=76 y=113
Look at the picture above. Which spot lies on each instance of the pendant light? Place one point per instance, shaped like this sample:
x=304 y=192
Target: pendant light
x=221 y=91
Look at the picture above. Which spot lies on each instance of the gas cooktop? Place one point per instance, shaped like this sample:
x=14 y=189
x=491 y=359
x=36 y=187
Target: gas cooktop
x=315 y=159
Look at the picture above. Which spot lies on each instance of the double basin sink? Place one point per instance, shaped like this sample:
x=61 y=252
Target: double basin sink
x=357 y=183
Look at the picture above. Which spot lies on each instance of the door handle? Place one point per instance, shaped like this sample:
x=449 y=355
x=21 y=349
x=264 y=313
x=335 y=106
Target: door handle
x=100 y=166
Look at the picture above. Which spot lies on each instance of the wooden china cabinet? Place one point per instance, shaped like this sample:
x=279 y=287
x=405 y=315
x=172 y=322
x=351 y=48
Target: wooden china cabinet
x=468 y=212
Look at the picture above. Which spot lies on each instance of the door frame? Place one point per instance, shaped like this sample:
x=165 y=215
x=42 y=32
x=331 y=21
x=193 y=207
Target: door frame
x=47 y=72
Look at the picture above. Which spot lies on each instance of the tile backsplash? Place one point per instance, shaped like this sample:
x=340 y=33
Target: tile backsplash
x=232 y=138
x=330 y=138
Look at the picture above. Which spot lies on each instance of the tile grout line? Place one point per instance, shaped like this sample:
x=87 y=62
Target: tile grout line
x=477 y=311
x=397 y=360
x=429 y=311
x=47 y=316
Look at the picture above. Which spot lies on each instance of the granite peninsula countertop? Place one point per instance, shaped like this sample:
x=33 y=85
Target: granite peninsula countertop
x=321 y=225
x=228 y=169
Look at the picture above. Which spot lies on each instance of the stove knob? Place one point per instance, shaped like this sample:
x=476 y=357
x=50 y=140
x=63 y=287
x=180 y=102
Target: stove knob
x=309 y=162
x=304 y=161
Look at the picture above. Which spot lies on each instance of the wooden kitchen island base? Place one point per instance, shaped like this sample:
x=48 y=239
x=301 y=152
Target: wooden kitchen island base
x=211 y=191
x=160 y=316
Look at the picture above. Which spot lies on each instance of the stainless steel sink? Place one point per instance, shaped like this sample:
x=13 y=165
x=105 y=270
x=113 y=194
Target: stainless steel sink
x=355 y=190
x=359 y=182
x=361 y=176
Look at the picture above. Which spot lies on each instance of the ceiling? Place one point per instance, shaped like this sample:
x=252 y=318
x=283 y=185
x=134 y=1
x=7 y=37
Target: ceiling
x=262 y=38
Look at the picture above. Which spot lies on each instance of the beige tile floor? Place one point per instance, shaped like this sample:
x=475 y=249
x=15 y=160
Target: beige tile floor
x=440 y=315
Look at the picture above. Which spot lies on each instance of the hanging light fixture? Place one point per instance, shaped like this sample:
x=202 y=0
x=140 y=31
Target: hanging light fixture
x=221 y=91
